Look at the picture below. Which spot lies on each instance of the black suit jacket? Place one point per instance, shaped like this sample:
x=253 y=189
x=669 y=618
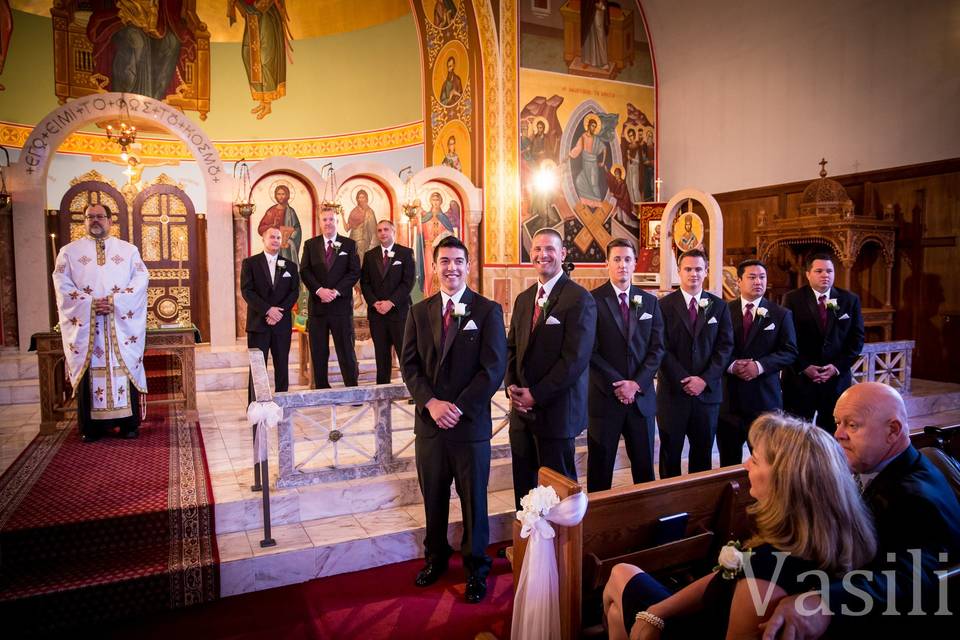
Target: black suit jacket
x=466 y=370
x=913 y=507
x=773 y=343
x=841 y=343
x=625 y=353
x=342 y=275
x=261 y=293
x=394 y=285
x=553 y=359
x=703 y=350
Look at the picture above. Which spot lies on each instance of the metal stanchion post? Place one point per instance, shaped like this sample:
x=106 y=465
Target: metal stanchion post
x=256 y=467
x=267 y=541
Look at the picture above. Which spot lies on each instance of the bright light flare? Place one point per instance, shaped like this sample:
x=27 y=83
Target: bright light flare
x=545 y=180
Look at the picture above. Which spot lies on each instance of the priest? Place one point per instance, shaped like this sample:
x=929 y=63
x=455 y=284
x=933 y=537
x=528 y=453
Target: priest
x=101 y=289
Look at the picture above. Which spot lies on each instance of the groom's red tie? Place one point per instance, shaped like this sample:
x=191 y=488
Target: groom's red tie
x=536 y=307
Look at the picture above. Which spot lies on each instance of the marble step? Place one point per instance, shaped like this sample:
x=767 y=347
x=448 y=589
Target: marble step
x=341 y=544
x=241 y=509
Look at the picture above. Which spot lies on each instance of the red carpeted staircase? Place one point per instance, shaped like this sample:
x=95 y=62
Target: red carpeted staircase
x=106 y=530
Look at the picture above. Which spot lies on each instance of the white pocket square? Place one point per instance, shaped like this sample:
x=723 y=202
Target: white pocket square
x=343 y=253
x=397 y=262
x=645 y=316
x=552 y=320
x=286 y=274
x=845 y=316
x=712 y=321
x=770 y=327
x=471 y=326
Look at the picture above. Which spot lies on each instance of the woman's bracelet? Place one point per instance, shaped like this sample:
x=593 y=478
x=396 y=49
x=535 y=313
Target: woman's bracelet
x=651 y=619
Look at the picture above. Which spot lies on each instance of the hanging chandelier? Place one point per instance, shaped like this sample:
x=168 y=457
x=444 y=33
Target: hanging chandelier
x=125 y=133
x=329 y=198
x=411 y=207
x=242 y=204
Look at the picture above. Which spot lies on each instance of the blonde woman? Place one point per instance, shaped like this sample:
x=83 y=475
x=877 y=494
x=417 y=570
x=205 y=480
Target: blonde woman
x=807 y=505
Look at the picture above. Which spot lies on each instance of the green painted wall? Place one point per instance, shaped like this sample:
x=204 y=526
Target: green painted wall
x=356 y=81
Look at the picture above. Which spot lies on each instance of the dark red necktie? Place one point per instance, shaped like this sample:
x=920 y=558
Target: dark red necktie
x=447 y=319
x=692 y=312
x=536 y=307
x=624 y=311
x=386 y=261
x=822 y=306
x=329 y=259
x=747 y=320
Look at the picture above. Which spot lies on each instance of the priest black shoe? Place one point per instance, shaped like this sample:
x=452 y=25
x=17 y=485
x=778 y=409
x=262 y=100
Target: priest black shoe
x=89 y=437
x=476 y=589
x=130 y=435
x=430 y=573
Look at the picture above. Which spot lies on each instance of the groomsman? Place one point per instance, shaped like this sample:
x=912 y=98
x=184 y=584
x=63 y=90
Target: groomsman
x=548 y=348
x=385 y=282
x=829 y=337
x=626 y=355
x=453 y=359
x=330 y=267
x=698 y=340
x=270 y=286
x=764 y=342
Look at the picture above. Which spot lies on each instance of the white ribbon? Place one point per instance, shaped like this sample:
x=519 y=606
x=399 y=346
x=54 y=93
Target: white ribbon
x=265 y=416
x=536 y=601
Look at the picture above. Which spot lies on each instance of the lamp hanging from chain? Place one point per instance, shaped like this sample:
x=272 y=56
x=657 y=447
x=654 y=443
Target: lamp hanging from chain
x=242 y=204
x=125 y=133
x=409 y=202
x=330 y=187
x=5 y=197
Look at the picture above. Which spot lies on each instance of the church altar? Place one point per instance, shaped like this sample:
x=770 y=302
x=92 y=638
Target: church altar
x=57 y=402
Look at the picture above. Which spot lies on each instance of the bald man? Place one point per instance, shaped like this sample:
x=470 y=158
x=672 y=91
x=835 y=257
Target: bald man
x=913 y=508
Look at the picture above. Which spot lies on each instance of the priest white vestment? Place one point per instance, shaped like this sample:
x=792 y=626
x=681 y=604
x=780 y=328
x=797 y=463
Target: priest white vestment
x=110 y=346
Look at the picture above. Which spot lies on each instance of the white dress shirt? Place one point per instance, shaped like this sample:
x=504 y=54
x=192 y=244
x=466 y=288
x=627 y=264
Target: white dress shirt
x=455 y=297
x=687 y=296
x=272 y=265
x=753 y=313
x=549 y=284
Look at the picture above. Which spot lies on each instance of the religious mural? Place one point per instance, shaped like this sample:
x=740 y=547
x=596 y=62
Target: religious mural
x=452 y=86
x=439 y=215
x=364 y=203
x=266 y=49
x=6 y=31
x=287 y=201
x=157 y=49
x=587 y=143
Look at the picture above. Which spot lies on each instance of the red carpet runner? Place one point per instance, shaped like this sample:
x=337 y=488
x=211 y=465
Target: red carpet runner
x=111 y=529
x=375 y=604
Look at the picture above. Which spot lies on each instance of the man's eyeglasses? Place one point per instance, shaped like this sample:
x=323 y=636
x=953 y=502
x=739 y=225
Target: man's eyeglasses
x=97 y=217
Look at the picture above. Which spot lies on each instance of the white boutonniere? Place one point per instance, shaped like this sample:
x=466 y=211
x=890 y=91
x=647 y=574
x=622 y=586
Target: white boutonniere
x=832 y=304
x=637 y=301
x=730 y=560
x=704 y=303
x=336 y=245
x=390 y=254
x=281 y=263
x=762 y=312
x=459 y=310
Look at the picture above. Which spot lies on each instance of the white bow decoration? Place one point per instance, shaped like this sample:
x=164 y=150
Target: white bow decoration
x=265 y=416
x=536 y=603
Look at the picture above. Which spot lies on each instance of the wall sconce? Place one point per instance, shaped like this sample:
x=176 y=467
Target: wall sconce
x=242 y=205
x=5 y=197
x=409 y=203
x=330 y=187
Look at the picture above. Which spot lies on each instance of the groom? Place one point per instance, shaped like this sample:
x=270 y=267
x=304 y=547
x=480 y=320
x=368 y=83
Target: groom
x=453 y=360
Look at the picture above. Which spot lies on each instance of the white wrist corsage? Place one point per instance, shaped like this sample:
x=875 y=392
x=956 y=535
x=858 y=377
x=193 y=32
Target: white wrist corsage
x=730 y=560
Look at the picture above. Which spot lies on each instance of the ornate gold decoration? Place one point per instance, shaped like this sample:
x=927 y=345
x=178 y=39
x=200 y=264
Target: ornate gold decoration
x=93 y=176
x=150 y=244
x=169 y=274
x=398 y=137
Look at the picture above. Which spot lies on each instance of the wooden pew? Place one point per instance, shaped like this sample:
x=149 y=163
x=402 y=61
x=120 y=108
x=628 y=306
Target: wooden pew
x=620 y=525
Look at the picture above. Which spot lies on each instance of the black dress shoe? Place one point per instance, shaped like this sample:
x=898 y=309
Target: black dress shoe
x=89 y=437
x=476 y=589
x=131 y=435
x=430 y=573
